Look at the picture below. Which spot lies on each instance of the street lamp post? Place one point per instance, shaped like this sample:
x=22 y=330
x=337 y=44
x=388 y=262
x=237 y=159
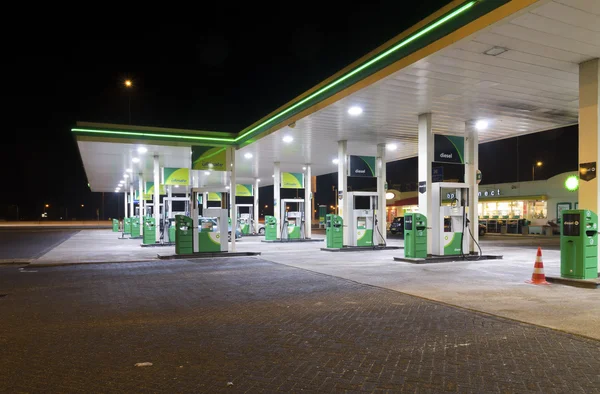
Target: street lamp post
x=537 y=164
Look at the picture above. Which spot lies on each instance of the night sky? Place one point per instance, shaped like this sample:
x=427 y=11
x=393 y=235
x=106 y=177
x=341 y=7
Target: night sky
x=221 y=73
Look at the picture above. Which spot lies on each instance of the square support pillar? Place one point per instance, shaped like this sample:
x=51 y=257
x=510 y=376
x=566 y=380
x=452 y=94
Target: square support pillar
x=141 y=202
x=589 y=129
x=277 y=196
x=425 y=149
x=381 y=189
x=471 y=167
x=307 y=202
x=232 y=183
x=125 y=199
x=343 y=186
x=256 y=211
x=131 y=209
x=156 y=209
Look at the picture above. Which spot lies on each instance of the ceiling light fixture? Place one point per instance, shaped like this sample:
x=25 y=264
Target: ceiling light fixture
x=258 y=180
x=287 y=139
x=391 y=146
x=481 y=124
x=248 y=155
x=226 y=187
x=335 y=161
x=135 y=160
x=125 y=176
x=176 y=186
x=142 y=149
x=355 y=111
x=304 y=168
x=129 y=170
x=206 y=172
x=495 y=51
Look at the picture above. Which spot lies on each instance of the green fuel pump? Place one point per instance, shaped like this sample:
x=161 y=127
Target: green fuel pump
x=149 y=231
x=184 y=235
x=270 y=228
x=334 y=231
x=579 y=244
x=127 y=226
x=135 y=227
x=415 y=235
x=115 y=227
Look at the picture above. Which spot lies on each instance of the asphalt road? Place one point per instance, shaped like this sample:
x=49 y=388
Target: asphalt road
x=30 y=244
x=247 y=325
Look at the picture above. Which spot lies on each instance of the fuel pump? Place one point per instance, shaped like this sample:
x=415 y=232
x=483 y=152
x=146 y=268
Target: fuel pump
x=362 y=214
x=245 y=219
x=292 y=223
x=449 y=220
x=173 y=206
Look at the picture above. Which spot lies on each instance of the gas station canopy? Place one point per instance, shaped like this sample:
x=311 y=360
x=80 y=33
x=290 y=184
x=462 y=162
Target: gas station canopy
x=513 y=64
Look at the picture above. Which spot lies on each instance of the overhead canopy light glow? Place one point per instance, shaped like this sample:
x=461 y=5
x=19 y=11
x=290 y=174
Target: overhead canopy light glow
x=135 y=160
x=389 y=195
x=129 y=170
x=355 y=111
x=481 y=124
x=287 y=139
x=335 y=161
x=248 y=155
x=176 y=186
x=391 y=146
x=303 y=168
x=125 y=176
x=142 y=149
x=206 y=172
x=258 y=180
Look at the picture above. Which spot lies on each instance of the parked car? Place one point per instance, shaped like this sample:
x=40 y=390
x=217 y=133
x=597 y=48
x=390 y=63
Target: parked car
x=397 y=225
x=261 y=229
x=238 y=233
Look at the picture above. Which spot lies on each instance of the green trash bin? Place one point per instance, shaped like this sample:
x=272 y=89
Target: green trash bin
x=127 y=226
x=184 y=235
x=135 y=227
x=415 y=235
x=334 y=231
x=270 y=228
x=172 y=231
x=149 y=231
x=579 y=244
x=115 y=225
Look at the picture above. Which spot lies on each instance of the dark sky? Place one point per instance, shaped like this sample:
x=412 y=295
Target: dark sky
x=223 y=72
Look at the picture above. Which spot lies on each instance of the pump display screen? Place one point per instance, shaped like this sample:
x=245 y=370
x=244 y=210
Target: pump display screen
x=178 y=206
x=571 y=224
x=362 y=202
x=361 y=222
x=408 y=221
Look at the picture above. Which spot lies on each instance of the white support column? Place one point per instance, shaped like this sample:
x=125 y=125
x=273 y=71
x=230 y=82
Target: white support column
x=125 y=201
x=170 y=204
x=131 y=210
x=308 y=213
x=589 y=130
x=141 y=201
x=343 y=186
x=256 y=207
x=232 y=183
x=381 y=179
x=156 y=213
x=204 y=201
x=193 y=199
x=471 y=167
x=277 y=196
x=425 y=149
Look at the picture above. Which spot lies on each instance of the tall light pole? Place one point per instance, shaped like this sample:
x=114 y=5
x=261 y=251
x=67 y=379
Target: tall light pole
x=537 y=164
x=129 y=85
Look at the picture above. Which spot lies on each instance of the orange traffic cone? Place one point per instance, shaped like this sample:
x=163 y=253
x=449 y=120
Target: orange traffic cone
x=538 y=277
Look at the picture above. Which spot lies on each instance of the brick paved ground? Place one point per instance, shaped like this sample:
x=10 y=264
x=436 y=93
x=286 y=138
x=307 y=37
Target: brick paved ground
x=265 y=328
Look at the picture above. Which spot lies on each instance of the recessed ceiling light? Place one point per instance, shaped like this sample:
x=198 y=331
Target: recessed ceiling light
x=122 y=182
x=355 y=111
x=248 y=155
x=125 y=176
x=176 y=186
x=304 y=168
x=117 y=190
x=391 y=146
x=135 y=160
x=129 y=170
x=495 y=51
x=287 y=139
x=335 y=161
x=226 y=187
x=273 y=176
x=206 y=172
x=142 y=149
x=258 y=180
x=481 y=124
